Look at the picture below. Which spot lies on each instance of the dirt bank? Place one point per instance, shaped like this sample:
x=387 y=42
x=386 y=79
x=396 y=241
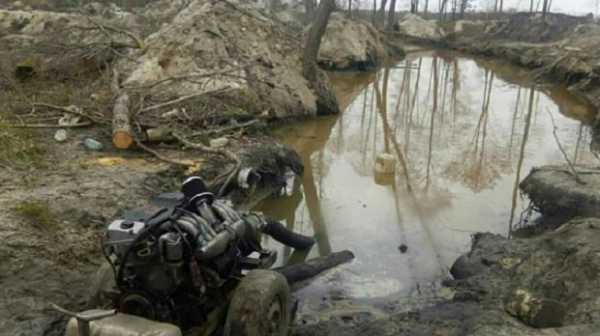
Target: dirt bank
x=558 y=48
x=351 y=45
x=505 y=287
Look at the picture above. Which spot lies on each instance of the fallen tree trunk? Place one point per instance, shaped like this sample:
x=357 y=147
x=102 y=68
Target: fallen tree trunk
x=122 y=134
x=312 y=267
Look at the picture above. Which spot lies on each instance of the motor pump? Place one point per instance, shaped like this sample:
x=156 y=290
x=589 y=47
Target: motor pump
x=179 y=263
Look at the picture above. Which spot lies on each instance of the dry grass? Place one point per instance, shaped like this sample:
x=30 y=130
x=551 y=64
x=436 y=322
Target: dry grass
x=37 y=213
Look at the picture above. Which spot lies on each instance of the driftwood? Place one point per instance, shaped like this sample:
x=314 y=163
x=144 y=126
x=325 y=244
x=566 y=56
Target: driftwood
x=122 y=134
x=312 y=267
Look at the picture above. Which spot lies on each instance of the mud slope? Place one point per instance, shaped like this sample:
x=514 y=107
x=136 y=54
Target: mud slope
x=546 y=285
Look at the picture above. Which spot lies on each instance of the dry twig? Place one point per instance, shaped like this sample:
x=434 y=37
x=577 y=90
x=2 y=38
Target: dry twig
x=72 y=109
x=186 y=163
x=179 y=100
x=225 y=129
x=230 y=174
x=81 y=124
x=562 y=150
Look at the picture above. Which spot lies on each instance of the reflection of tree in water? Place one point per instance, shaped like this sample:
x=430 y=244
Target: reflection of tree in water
x=475 y=167
x=521 y=157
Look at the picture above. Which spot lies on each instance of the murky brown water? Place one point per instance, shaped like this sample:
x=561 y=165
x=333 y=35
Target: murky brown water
x=468 y=130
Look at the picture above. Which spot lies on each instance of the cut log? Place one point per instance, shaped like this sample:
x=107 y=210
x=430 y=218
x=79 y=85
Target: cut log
x=312 y=267
x=122 y=134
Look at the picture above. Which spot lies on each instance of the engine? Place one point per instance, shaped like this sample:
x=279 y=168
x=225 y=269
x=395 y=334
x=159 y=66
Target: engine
x=178 y=264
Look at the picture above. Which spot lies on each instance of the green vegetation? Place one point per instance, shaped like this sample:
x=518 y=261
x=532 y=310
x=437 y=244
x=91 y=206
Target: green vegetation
x=37 y=213
x=18 y=148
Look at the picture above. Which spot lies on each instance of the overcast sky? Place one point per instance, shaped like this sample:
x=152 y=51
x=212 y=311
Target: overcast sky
x=565 y=6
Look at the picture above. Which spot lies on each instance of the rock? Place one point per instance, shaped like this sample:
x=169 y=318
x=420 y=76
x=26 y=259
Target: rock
x=534 y=311
x=414 y=26
x=350 y=45
x=219 y=142
x=92 y=144
x=554 y=191
x=28 y=68
x=465 y=267
x=60 y=135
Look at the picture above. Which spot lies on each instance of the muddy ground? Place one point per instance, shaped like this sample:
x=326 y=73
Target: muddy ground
x=545 y=285
x=57 y=197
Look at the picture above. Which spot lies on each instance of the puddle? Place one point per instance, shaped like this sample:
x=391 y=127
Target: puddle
x=468 y=130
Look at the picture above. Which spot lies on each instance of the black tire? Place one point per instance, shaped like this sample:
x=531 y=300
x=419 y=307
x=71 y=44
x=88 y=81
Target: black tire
x=260 y=306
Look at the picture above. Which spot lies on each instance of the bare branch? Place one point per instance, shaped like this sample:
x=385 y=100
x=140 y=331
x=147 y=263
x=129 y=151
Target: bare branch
x=72 y=109
x=230 y=174
x=180 y=99
x=82 y=124
x=139 y=44
x=188 y=77
x=562 y=150
x=186 y=163
x=225 y=129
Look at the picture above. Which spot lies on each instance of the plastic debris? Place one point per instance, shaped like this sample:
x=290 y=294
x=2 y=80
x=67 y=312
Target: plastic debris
x=219 y=142
x=69 y=119
x=60 y=135
x=92 y=144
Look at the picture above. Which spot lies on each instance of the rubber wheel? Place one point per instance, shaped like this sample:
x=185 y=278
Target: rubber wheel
x=260 y=306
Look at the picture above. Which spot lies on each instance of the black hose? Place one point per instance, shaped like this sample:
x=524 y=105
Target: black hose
x=287 y=237
x=152 y=223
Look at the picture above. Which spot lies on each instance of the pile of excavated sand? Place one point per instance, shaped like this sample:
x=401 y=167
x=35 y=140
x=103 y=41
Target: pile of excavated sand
x=414 y=26
x=350 y=45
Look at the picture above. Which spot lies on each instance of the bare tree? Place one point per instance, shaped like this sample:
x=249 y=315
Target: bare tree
x=545 y=8
x=374 y=16
x=414 y=6
x=309 y=9
x=464 y=4
x=391 y=15
x=498 y=6
x=350 y=8
x=313 y=41
x=380 y=19
x=442 y=8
